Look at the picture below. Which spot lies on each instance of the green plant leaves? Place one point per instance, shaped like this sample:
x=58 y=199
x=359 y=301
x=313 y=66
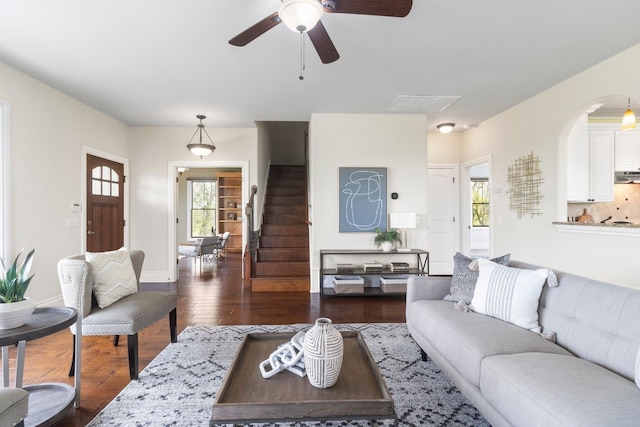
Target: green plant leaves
x=14 y=282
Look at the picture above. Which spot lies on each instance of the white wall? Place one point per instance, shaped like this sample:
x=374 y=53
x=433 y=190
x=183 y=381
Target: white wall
x=397 y=142
x=152 y=150
x=287 y=142
x=47 y=130
x=541 y=125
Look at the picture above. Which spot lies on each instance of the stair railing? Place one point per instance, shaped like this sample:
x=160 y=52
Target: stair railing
x=252 y=234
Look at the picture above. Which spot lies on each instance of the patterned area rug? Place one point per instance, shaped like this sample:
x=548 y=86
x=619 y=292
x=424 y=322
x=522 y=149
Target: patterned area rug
x=179 y=386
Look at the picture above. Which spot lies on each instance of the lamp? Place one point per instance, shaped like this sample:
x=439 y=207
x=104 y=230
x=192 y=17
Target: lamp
x=629 y=119
x=201 y=149
x=402 y=221
x=445 y=127
x=300 y=15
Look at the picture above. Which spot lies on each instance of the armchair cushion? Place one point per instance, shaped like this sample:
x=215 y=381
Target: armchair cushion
x=113 y=276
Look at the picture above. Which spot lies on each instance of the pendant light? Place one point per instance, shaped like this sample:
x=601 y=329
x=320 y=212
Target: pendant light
x=629 y=118
x=201 y=148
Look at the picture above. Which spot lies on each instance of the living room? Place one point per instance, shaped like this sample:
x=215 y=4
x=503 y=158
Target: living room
x=46 y=134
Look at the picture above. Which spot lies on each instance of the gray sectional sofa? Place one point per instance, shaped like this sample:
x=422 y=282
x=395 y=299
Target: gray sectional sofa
x=516 y=377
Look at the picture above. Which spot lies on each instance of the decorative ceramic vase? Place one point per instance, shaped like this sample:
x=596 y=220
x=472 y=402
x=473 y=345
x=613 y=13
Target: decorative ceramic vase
x=15 y=314
x=323 y=352
x=585 y=217
x=386 y=246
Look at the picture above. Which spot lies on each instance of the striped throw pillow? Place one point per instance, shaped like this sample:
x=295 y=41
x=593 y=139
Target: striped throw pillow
x=113 y=276
x=509 y=294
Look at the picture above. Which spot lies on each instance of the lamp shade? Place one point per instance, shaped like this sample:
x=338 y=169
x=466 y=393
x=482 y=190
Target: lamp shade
x=300 y=15
x=403 y=220
x=629 y=120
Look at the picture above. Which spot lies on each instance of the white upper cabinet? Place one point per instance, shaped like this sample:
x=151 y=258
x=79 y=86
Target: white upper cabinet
x=627 y=151
x=590 y=174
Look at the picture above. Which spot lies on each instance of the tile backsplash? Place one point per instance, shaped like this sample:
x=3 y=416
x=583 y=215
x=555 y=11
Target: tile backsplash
x=625 y=206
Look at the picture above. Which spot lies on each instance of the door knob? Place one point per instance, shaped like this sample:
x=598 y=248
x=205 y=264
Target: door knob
x=91 y=233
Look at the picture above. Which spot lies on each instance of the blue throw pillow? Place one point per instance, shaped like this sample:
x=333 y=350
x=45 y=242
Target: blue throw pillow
x=463 y=282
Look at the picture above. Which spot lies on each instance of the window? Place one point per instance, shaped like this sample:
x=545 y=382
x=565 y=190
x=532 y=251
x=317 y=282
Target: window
x=479 y=202
x=105 y=182
x=202 y=208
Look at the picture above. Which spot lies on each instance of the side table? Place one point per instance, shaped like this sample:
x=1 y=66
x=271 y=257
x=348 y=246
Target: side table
x=48 y=402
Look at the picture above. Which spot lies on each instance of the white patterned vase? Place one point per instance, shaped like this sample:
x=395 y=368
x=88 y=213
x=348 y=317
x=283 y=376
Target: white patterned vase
x=323 y=352
x=15 y=314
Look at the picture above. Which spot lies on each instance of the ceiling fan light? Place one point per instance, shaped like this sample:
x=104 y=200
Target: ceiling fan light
x=445 y=127
x=629 y=118
x=200 y=148
x=300 y=15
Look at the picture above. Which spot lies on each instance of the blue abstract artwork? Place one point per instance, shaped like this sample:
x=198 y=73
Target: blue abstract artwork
x=363 y=199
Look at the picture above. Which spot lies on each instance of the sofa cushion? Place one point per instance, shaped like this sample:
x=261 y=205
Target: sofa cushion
x=466 y=338
x=465 y=276
x=510 y=294
x=542 y=389
x=113 y=276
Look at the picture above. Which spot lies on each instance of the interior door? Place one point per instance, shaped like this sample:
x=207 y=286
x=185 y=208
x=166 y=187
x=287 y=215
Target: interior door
x=105 y=204
x=442 y=235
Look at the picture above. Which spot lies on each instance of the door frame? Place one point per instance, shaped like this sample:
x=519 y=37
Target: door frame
x=5 y=187
x=465 y=194
x=173 y=165
x=83 y=191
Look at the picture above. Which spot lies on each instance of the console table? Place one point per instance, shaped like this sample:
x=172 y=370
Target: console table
x=421 y=267
x=48 y=402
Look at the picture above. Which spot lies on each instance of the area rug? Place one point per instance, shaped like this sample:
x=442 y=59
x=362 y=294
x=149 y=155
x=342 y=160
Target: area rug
x=179 y=386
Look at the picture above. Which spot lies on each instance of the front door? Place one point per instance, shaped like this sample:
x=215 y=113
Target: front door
x=105 y=204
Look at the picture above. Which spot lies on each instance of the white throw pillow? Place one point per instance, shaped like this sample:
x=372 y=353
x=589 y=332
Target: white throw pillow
x=113 y=276
x=510 y=294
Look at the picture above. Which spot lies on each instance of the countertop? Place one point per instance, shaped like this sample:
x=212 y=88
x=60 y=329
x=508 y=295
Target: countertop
x=598 y=224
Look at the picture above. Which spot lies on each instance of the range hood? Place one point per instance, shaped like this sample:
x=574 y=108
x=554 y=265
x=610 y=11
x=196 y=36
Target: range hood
x=627 y=177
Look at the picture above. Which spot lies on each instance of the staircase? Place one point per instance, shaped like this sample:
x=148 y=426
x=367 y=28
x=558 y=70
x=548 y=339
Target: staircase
x=282 y=263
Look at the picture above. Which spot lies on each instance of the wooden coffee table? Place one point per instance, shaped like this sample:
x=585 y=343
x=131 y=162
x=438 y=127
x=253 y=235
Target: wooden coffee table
x=246 y=397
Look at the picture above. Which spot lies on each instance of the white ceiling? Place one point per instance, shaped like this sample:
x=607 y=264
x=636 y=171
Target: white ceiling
x=161 y=62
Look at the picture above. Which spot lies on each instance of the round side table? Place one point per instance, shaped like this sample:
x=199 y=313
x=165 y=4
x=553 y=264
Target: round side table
x=48 y=402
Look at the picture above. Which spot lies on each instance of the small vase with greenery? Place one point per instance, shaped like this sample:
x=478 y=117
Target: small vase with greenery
x=15 y=308
x=386 y=239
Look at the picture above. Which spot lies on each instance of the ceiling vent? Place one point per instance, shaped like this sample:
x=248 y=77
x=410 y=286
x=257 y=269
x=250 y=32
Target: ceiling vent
x=422 y=103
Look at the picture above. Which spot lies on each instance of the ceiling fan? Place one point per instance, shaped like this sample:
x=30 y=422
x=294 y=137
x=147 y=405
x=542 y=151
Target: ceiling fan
x=303 y=16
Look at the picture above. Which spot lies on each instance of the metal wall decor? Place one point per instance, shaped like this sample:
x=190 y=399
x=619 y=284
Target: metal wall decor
x=524 y=178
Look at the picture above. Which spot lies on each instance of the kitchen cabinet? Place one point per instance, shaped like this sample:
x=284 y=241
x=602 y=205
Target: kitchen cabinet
x=627 y=150
x=590 y=168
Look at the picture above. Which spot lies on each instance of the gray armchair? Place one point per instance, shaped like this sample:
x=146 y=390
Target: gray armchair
x=205 y=247
x=127 y=316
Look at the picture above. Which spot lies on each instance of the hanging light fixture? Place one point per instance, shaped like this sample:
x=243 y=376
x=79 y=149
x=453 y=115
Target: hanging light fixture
x=445 y=127
x=201 y=148
x=300 y=15
x=629 y=118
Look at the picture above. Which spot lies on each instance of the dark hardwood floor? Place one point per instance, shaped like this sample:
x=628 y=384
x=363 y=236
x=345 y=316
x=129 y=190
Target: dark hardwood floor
x=214 y=298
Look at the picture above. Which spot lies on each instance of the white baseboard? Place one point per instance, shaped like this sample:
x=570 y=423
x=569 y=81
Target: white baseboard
x=155 y=277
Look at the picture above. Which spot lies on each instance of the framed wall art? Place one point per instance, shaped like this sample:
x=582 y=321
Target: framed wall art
x=363 y=199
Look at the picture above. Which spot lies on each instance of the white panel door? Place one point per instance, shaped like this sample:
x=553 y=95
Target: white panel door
x=442 y=221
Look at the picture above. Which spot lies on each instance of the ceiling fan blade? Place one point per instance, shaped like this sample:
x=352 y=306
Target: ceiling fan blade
x=323 y=44
x=397 y=8
x=256 y=30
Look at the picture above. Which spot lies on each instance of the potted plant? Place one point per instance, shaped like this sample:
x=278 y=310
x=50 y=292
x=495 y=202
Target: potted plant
x=386 y=239
x=15 y=309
